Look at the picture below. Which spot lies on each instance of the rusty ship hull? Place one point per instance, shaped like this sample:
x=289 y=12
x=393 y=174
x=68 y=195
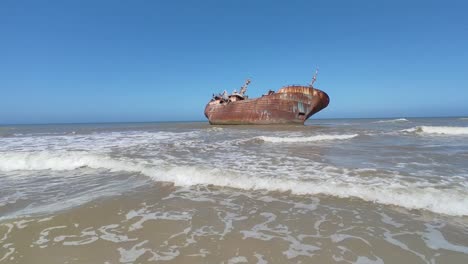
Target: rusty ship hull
x=289 y=105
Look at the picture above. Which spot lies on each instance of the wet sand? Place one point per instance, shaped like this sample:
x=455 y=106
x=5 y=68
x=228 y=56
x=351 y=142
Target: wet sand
x=219 y=225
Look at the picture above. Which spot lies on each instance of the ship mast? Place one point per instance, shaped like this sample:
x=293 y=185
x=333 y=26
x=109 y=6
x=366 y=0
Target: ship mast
x=244 y=87
x=314 y=78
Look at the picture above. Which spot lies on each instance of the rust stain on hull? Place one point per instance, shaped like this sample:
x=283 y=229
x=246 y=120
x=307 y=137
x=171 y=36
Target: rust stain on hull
x=290 y=105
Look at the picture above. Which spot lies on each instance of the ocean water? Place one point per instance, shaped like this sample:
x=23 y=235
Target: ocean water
x=332 y=191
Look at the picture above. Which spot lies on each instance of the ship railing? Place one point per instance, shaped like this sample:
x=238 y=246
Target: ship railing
x=293 y=85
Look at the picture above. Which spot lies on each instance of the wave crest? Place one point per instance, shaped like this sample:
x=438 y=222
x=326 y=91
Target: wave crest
x=392 y=120
x=408 y=195
x=441 y=130
x=63 y=160
x=305 y=139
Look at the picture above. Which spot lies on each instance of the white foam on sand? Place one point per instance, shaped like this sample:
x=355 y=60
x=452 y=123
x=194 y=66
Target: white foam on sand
x=305 y=139
x=438 y=130
x=339 y=183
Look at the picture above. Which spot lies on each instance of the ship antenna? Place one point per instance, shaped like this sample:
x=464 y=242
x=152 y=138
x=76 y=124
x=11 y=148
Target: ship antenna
x=314 y=78
x=244 y=87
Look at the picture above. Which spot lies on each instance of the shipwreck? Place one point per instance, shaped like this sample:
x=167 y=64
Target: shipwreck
x=292 y=104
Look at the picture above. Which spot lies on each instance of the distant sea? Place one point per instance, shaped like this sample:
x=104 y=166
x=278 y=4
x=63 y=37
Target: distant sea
x=337 y=190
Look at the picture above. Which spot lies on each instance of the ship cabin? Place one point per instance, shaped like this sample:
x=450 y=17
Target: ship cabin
x=234 y=97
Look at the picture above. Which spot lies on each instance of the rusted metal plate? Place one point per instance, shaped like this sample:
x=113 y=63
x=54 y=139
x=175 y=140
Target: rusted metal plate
x=290 y=105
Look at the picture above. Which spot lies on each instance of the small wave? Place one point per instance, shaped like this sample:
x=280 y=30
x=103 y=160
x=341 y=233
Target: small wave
x=463 y=118
x=305 y=139
x=440 y=130
x=66 y=160
x=411 y=196
x=214 y=129
x=450 y=202
x=392 y=120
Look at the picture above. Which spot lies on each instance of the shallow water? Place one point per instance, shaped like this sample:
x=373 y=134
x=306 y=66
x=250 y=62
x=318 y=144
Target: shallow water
x=349 y=191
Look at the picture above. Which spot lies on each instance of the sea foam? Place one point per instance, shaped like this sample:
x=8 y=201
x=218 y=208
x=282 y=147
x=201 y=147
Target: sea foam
x=450 y=202
x=305 y=139
x=392 y=120
x=440 y=130
x=383 y=191
x=61 y=160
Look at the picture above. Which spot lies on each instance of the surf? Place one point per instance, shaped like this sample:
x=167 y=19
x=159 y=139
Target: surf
x=305 y=139
x=392 y=120
x=438 y=130
x=343 y=183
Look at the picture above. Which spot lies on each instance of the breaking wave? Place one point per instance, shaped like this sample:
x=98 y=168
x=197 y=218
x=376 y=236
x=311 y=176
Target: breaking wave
x=392 y=120
x=45 y=160
x=305 y=139
x=408 y=195
x=448 y=202
x=441 y=130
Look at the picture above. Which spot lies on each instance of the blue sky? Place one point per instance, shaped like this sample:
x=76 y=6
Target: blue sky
x=111 y=61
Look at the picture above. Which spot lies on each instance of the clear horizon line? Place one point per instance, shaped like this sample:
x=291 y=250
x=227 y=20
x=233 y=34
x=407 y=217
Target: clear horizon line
x=197 y=121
